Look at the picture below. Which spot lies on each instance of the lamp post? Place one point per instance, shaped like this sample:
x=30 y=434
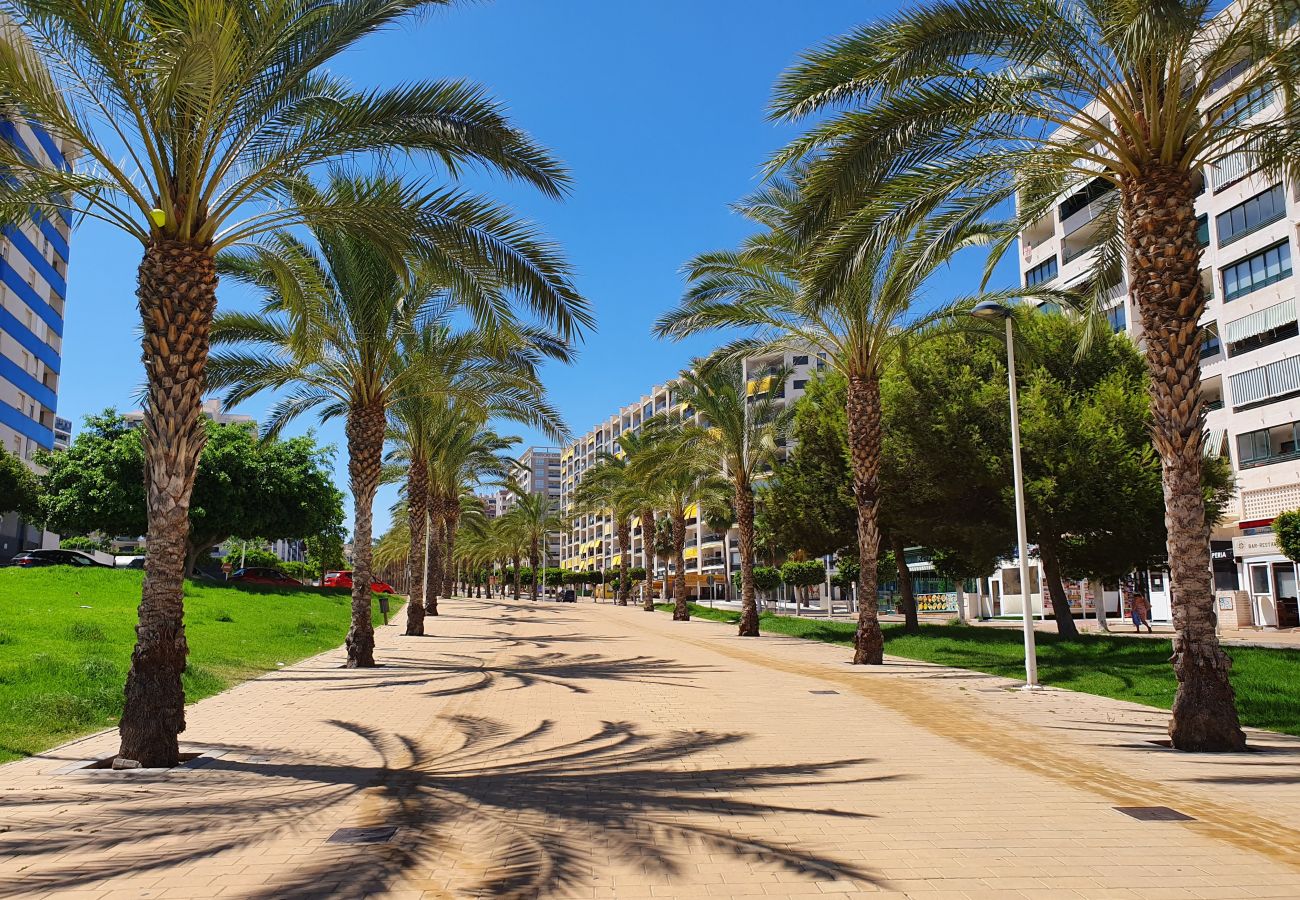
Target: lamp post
x=991 y=312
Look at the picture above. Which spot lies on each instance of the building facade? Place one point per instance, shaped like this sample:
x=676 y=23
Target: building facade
x=1250 y=359
x=33 y=292
x=538 y=472
x=711 y=556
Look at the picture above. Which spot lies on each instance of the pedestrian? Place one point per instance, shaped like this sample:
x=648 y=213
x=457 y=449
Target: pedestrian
x=1141 y=612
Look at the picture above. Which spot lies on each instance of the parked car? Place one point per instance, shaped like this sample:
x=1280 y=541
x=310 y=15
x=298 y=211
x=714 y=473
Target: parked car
x=344 y=580
x=30 y=559
x=264 y=575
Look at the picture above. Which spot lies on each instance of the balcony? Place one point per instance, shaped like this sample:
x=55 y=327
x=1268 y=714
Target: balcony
x=1272 y=459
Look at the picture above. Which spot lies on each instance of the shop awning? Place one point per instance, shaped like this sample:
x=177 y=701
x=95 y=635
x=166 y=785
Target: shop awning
x=1266 y=319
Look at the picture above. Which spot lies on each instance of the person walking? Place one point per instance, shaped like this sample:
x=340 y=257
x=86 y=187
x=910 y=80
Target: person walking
x=1141 y=612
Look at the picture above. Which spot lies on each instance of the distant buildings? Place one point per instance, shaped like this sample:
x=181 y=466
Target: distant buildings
x=33 y=291
x=211 y=410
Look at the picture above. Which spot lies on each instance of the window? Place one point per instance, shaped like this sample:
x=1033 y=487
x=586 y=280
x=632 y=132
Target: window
x=800 y=384
x=801 y=360
x=1096 y=189
x=1210 y=343
x=1203 y=229
x=1250 y=215
x=1229 y=74
x=1245 y=106
x=1042 y=272
x=1253 y=446
x=1117 y=316
x=1258 y=271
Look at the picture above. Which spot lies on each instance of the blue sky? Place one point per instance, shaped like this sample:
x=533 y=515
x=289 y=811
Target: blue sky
x=656 y=107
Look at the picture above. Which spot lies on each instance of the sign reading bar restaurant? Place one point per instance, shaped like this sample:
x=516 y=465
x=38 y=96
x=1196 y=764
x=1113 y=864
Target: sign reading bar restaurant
x=1256 y=545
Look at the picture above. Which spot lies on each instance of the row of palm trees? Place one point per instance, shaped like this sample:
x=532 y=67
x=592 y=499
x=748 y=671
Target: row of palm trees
x=213 y=132
x=930 y=122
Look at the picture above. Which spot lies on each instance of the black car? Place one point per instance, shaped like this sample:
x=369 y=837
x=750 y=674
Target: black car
x=30 y=559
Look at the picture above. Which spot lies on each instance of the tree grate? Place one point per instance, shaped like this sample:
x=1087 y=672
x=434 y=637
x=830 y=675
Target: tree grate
x=1154 y=814
x=823 y=692
x=378 y=835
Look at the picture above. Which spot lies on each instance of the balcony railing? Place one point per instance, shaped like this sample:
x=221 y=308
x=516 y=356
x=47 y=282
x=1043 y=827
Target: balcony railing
x=1270 y=460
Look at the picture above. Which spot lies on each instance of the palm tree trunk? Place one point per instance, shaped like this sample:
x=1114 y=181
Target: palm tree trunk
x=681 y=612
x=1048 y=556
x=647 y=551
x=417 y=504
x=625 y=551
x=863 y=413
x=532 y=564
x=906 y=590
x=514 y=578
x=433 y=569
x=745 y=522
x=450 y=523
x=365 y=430
x=1164 y=258
x=177 y=294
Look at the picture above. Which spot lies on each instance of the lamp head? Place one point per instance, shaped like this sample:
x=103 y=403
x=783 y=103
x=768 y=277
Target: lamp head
x=990 y=311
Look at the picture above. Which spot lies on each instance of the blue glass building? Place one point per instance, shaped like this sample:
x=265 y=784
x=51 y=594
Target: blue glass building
x=33 y=293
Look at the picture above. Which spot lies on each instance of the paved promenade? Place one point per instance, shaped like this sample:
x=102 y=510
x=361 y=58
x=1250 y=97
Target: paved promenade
x=603 y=752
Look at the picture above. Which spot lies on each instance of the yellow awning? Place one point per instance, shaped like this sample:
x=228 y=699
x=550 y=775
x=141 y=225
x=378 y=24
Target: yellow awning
x=618 y=558
x=693 y=511
x=759 y=385
x=691 y=552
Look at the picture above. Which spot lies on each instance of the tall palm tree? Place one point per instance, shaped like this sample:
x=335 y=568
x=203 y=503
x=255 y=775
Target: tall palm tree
x=196 y=118
x=535 y=516
x=608 y=487
x=677 y=477
x=856 y=328
x=335 y=316
x=739 y=432
x=638 y=448
x=966 y=105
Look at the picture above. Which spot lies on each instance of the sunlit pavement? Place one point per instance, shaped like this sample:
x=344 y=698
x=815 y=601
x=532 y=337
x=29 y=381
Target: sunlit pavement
x=528 y=750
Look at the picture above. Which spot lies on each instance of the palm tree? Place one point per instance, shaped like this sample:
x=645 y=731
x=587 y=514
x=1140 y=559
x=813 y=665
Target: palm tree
x=739 y=433
x=196 y=120
x=638 y=448
x=535 y=517
x=965 y=105
x=677 y=477
x=335 y=317
x=857 y=328
x=608 y=487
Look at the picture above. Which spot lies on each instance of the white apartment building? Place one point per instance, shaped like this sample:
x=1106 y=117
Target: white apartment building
x=212 y=410
x=1250 y=359
x=33 y=291
x=710 y=556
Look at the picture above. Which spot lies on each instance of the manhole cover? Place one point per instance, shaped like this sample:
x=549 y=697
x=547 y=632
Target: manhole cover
x=823 y=692
x=379 y=835
x=1154 y=814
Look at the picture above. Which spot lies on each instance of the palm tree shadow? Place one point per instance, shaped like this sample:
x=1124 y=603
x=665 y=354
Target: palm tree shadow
x=526 y=810
x=500 y=813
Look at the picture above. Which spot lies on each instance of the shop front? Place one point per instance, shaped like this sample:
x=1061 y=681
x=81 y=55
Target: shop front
x=1269 y=579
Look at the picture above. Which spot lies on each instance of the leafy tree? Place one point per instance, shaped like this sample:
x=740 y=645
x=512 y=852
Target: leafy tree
x=766 y=578
x=199 y=124
x=967 y=106
x=803 y=574
x=325 y=549
x=244 y=485
x=1287 y=528
x=19 y=487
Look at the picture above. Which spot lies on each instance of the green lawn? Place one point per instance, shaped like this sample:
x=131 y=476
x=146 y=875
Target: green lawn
x=1267 y=681
x=66 y=637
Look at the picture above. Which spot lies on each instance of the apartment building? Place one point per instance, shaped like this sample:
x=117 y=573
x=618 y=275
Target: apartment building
x=33 y=291
x=497 y=504
x=711 y=556
x=1250 y=358
x=538 y=472
x=212 y=410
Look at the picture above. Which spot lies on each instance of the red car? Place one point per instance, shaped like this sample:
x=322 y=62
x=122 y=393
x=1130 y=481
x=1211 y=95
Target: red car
x=261 y=575
x=344 y=580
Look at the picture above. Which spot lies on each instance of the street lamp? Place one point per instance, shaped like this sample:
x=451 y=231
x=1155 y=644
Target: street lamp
x=991 y=312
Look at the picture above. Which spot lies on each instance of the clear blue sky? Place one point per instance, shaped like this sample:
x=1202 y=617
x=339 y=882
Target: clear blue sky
x=656 y=107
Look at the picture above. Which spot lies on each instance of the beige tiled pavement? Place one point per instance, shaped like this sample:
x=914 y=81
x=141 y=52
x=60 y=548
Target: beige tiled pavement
x=594 y=751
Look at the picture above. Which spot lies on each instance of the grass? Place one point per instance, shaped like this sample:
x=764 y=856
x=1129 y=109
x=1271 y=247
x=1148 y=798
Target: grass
x=1267 y=681
x=66 y=637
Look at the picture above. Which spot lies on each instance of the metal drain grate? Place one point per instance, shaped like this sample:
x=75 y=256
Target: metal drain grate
x=823 y=692
x=379 y=835
x=1154 y=814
